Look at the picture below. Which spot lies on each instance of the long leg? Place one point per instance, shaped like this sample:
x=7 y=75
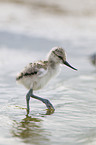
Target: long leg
x=27 y=100
x=45 y=101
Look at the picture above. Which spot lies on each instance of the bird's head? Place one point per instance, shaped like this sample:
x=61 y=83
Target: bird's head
x=57 y=54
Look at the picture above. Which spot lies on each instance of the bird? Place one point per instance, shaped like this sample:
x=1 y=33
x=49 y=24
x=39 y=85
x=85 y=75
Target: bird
x=93 y=59
x=37 y=74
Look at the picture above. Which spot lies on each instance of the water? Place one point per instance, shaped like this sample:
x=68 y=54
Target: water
x=73 y=93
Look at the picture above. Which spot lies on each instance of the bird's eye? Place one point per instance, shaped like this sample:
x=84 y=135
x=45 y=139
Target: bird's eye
x=58 y=55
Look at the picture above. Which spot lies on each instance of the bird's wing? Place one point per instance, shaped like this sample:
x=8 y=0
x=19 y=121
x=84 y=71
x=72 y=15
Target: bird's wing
x=39 y=68
x=42 y=72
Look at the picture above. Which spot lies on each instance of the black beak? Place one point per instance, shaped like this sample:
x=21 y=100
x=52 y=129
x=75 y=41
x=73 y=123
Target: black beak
x=66 y=63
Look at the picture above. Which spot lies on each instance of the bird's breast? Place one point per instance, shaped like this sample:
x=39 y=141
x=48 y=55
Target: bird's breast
x=41 y=81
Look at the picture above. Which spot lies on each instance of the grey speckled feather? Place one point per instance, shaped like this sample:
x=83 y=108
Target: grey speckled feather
x=32 y=69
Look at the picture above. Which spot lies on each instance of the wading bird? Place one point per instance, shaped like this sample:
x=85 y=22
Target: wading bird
x=93 y=59
x=36 y=75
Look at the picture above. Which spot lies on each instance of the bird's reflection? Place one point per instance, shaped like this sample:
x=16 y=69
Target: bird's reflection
x=30 y=130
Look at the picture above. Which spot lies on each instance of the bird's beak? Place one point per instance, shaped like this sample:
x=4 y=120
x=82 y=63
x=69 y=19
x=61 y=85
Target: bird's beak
x=66 y=63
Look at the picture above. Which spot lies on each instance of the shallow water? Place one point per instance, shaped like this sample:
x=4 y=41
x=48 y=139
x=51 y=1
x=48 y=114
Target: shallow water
x=73 y=93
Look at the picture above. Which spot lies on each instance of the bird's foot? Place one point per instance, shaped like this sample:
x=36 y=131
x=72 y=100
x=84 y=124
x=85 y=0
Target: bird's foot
x=49 y=105
x=49 y=112
x=27 y=111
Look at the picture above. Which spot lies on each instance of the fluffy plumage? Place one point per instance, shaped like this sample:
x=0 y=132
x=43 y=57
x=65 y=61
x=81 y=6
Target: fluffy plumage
x=36 y=75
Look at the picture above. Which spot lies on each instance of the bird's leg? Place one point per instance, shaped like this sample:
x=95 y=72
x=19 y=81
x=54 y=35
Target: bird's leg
x=27 y=100
x=45 y=101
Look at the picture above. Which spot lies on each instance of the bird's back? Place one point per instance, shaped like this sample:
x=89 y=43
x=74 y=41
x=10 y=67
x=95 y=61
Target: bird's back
x=33 y=69
x=32 y=74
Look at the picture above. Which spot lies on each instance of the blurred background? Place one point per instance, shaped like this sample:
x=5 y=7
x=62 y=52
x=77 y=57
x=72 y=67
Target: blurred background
x=28 y=30
x=50 y=19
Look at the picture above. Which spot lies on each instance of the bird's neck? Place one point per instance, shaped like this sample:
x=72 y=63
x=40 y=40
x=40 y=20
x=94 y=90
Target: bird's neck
x=53 y=64
x=53 y=68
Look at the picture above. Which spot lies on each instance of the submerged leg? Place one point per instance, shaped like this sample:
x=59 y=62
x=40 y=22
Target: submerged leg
x=27 y=100
x=45 y=101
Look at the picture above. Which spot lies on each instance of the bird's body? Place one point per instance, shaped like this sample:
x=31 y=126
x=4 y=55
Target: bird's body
x=36 y=75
